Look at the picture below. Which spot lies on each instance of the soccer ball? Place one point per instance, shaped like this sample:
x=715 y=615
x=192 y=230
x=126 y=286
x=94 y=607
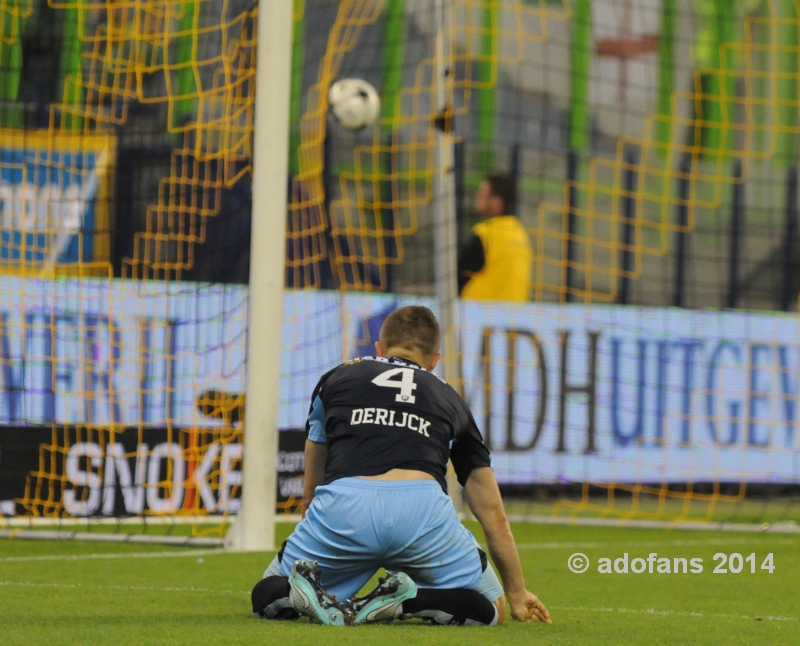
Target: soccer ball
x=354 y=103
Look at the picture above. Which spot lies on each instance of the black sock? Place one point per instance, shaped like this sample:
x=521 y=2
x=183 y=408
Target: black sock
x=451 y=607
x=271 y=599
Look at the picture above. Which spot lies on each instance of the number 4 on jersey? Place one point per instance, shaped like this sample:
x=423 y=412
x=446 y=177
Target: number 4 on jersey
x=405 y=384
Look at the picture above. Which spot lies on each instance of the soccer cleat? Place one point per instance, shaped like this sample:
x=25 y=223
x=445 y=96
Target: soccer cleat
x=382 y=603
x=309 y=599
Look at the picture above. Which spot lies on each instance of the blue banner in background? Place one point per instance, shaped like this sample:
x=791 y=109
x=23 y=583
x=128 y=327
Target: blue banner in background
x=628 y=394
x=122 y=352
x=561 y=393
x=53 y=197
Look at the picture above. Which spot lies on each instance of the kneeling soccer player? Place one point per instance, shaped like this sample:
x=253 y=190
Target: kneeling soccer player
x=380 y=433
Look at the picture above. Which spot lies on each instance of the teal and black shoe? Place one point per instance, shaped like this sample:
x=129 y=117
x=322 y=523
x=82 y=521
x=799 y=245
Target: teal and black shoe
x=382 y=603
x=310 y=599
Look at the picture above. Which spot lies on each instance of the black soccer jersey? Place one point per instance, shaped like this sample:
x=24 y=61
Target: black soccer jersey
x=379 y=414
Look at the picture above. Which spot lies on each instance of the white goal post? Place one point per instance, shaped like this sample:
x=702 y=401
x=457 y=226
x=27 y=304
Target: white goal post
x=254 y=527
x=444 y=205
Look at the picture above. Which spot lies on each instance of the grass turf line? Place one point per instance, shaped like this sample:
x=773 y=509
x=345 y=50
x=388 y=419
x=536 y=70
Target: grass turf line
x=181 y=600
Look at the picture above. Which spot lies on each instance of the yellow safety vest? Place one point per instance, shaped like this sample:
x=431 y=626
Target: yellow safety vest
x=508 y=262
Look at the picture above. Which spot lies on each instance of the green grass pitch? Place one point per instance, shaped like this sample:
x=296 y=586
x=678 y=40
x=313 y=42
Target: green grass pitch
x=102 y=593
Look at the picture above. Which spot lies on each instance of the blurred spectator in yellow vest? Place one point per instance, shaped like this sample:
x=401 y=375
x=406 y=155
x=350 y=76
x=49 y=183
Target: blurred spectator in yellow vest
x=497 y=261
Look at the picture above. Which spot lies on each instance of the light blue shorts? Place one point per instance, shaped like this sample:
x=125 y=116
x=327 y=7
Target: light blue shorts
x=355 y=526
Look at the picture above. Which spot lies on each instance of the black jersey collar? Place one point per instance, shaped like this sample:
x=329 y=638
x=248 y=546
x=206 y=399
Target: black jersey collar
x=395 y=360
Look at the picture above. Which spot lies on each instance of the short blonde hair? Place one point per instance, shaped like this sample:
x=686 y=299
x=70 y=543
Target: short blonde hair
x=414 y=328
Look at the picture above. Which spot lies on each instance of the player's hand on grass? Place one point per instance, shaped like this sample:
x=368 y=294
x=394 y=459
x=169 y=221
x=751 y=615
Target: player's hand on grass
x=528 y=607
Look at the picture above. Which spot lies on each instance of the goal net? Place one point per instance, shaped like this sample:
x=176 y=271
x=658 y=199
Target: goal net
x=117 y=362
